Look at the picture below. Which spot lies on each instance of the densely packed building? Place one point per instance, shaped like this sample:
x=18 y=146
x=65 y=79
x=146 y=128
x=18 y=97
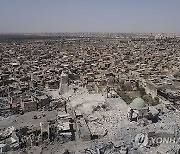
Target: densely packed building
x=69 y=88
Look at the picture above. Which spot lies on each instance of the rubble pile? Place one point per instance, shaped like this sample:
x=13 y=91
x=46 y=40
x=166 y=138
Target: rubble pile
x=91 y=94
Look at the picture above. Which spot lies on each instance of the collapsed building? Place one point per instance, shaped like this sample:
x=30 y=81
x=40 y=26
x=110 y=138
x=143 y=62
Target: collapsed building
x=65 y=92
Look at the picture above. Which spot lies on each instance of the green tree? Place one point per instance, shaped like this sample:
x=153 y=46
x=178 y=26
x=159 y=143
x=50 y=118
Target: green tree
x=142 y=91
x=155 y=101
x=148 y=99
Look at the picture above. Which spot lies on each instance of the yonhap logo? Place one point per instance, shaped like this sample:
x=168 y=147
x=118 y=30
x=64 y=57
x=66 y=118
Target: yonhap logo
x=159 y=140
x=145 y=139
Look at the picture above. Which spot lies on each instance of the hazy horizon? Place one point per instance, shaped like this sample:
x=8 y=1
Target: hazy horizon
x=89 y=16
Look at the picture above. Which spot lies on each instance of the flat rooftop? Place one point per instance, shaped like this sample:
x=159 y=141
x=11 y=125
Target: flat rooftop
x=19 y=121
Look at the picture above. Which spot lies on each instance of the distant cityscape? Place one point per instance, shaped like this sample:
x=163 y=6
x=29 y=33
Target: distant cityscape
x=89 y=93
